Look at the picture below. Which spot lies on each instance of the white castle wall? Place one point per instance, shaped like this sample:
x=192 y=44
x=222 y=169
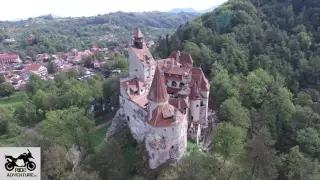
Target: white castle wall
x=194 y=110
x=149 y=72
x=166 y=143
x=135 y=65
x=135 y=118
x=204 y=113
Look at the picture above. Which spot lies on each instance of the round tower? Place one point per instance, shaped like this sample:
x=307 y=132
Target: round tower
x=158 y=92
x=195 y=100
x=167 y=137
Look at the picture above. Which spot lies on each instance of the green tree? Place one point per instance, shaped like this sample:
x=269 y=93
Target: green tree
x=52 y=67
x=2 y=78
x=69 y=126
x=298 y=167
x=231 y=110
x=262 y=157
x=228 y=141
x=6 y=89
x=309 y=141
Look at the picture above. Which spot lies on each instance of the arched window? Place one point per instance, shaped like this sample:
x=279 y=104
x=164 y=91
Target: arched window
x=174 y=83
x=181 y=84
x=128 y=118
x=191 y=118
x=197 y=105
x=201 y=103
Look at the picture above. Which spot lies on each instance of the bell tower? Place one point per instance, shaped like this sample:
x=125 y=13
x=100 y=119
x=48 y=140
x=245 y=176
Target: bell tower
x=138 y=39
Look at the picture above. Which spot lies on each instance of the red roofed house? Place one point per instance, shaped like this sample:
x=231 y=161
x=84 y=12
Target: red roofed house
x=164 y=101
x=36 y=69
x=9 y=58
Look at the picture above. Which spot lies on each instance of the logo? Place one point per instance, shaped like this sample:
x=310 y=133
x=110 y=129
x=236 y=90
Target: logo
x=20 y=163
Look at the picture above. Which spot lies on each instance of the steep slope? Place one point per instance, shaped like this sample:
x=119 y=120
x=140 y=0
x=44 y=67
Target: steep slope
x=263 y=58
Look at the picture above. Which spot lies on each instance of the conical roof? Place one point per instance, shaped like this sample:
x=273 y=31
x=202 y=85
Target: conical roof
x=158 y=90
x=138 y=33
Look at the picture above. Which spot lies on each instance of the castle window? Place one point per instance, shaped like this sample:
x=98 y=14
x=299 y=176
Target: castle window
x=128 y=118
x=181 y=84
x=201 y=103
x=191 y=117
x=136 y=70
x=165 y=130
x=172 y=147
x=197 y=105
x=174 y=83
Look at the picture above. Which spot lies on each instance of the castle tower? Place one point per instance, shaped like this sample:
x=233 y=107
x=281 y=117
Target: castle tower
x=158 y=92
x=167 y=138
x=138 y=39
x=195 y=100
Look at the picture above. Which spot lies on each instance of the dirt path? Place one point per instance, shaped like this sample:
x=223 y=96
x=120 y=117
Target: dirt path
x=103 y=125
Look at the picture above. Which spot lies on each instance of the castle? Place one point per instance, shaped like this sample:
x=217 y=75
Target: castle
x=164 y=101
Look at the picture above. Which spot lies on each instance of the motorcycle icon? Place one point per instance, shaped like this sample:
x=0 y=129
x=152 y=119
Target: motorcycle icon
x=21 y=161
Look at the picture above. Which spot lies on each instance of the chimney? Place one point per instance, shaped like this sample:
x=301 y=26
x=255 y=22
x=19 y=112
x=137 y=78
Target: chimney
x=172 y=62
x=178 y=56
x=175 y=116
x=128 y=89
x=137 y=84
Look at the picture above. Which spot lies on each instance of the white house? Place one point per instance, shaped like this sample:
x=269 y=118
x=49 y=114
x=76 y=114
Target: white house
x=36 y=69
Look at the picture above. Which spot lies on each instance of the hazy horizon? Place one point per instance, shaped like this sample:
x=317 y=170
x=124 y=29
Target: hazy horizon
x=72 y=8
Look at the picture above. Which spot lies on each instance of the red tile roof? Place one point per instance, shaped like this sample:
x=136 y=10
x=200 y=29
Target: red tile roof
x=33 y=67
x=8 y=58
x=194 y=94
x=173 y=78
x=182 y=106
x=184 y=58
x=158 y=89
x=143 y=54
x=165 y=115
x=199 y=77
x=138 y=33
x=173 y=90
x=178 y=70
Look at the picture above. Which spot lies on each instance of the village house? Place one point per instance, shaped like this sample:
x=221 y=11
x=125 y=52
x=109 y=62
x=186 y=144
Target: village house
x=164 y=101
x=9 y=58
x=42 y=57
x=36 y=69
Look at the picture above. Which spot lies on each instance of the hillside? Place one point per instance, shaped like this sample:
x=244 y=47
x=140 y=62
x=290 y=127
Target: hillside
x=51 y=34
x=263 y=59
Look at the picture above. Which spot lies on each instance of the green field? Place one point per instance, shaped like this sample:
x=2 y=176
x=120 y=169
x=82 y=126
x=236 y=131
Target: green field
x=14 y=100
x=99 y=134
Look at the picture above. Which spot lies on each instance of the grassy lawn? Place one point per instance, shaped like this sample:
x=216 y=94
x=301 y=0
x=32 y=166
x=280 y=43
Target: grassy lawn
x=192 y=147
x=98 y=135
x=16 y=99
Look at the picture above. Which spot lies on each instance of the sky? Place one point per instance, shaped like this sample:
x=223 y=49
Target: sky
x=16 y=9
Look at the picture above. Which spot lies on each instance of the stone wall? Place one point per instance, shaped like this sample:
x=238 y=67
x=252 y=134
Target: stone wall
x=168 y=143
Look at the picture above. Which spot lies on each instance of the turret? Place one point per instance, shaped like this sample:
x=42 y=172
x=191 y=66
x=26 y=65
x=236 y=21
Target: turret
x=138 y=39
x=158 y=92
x=195 y=100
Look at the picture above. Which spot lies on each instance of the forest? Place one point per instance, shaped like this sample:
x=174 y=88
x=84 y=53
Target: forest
x=48 y=34
x=262 y=60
